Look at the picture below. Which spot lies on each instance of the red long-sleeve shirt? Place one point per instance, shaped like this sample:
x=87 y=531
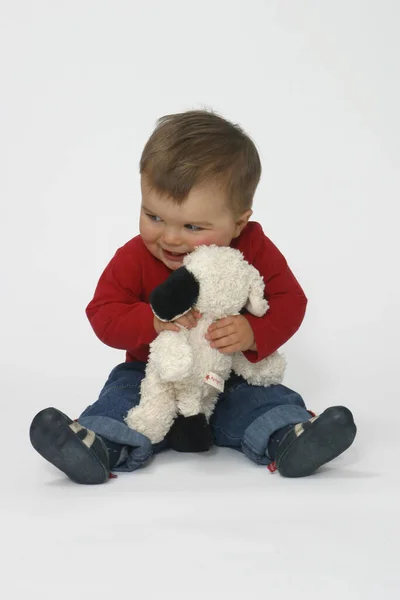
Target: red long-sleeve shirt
x=121 y=316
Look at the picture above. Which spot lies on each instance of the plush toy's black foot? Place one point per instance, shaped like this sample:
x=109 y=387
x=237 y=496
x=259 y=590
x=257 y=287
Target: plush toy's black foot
x=190 y=434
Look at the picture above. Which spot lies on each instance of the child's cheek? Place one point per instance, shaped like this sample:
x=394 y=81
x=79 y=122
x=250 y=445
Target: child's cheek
x=209 y=238
x=202 y=241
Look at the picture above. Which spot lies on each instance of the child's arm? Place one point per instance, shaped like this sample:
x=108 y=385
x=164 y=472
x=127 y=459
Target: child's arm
x=286 y=299
x=116 y=314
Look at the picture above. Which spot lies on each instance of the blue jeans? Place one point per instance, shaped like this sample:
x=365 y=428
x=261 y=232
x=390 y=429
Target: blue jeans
x=244 y=419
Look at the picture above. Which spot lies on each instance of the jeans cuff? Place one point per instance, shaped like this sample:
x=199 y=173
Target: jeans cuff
x=256 y=436
x=118 y=432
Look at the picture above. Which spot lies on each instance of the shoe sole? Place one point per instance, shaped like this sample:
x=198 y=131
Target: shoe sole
x=326 y=438
x=52 y=438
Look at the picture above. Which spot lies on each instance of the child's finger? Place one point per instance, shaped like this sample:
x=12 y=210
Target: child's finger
x=187 y=321
x=221 y=323
x=217 y=334
x=228 y=340
x=192 y=319
x=230 y=349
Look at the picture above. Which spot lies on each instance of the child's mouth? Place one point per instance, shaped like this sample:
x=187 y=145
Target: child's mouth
x=173 y=256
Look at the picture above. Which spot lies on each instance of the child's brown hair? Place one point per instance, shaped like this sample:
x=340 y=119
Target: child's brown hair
x=199 y=146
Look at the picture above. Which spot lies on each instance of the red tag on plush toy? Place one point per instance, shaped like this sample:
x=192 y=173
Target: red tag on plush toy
x=215 y=380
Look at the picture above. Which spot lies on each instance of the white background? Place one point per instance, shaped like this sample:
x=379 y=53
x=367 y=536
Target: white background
x=317 y=85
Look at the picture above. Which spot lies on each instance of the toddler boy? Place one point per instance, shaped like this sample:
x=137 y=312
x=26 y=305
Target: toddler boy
x=199 y=173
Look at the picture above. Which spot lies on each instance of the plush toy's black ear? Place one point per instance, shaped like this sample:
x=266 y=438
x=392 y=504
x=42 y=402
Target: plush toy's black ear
x=175 y=296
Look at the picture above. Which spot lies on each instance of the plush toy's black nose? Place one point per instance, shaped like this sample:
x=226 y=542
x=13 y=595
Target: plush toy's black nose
x=176 y=295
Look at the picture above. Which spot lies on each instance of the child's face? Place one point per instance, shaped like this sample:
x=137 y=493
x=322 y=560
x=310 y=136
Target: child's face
x=170 y=231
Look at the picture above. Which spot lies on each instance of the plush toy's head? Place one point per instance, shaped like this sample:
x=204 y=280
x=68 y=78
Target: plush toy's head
x=227 y=282
x=214 y=279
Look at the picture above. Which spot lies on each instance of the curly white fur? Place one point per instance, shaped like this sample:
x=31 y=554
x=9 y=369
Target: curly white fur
x=175 y=381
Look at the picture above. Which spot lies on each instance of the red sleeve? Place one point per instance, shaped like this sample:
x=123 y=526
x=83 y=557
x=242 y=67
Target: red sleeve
x=286 y=299
x=118 y=317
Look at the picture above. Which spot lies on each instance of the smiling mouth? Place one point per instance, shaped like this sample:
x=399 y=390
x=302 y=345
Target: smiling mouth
x=174 y=255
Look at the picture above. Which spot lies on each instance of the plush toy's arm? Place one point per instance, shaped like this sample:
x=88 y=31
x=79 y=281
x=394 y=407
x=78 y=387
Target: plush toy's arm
x=256 y=304
x=176 y=296
x=269 y=371
x=171 y=355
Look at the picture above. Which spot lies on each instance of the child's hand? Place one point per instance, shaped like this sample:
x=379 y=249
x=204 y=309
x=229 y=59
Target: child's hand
x=232 y=334
x=188 y=320
x=160 y=326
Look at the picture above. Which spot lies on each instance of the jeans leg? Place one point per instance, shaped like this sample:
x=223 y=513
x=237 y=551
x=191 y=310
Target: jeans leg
x=106 y=417
x=246 y=416
x=116 y=452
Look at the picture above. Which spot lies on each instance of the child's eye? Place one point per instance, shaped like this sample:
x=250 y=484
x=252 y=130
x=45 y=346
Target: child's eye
x=154 y=218
x=193 y=227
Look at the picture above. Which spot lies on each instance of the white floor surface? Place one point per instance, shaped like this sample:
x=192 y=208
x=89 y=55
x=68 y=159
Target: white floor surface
x=209 y=526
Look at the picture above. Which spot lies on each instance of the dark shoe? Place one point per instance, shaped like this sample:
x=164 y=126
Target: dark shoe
x=190 y=434
x=310 y=445
x=75 y=450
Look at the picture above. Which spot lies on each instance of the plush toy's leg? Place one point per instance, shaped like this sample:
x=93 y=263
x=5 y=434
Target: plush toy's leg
x=190 y=431
x=269 y=371
x=209 y=402
x=157 y=410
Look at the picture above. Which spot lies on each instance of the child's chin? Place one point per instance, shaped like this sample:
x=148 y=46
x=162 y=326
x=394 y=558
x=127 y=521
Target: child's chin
x=173 y=265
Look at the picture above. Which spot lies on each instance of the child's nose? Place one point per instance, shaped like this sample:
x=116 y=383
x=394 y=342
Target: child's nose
x=172 y=237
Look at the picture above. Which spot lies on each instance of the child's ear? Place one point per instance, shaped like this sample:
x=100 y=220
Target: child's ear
x=241 y=222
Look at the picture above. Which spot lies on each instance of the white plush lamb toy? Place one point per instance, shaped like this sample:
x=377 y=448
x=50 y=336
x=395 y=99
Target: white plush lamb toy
x=184 y=375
